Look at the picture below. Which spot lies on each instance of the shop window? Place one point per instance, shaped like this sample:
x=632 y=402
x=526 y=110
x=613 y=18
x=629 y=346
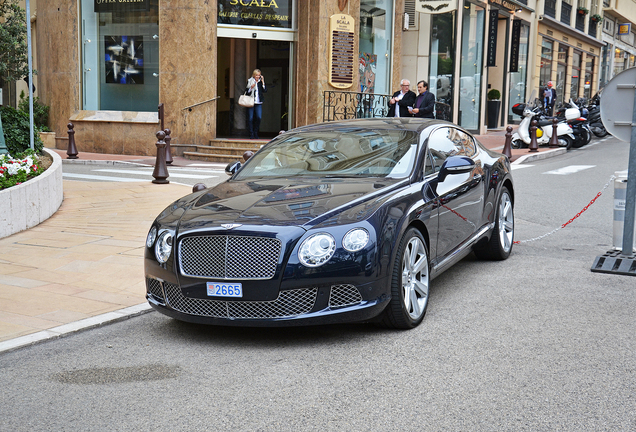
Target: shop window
x=619 y=61
x=576 y=74
x=562 y=64
x=518 y=78
x=589 y=73
x=471 y=66
x=376 y=33
x=545 y=74
x=120 y=55
x=442 y=63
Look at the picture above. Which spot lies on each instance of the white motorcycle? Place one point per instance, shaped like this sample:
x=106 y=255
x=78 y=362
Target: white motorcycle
x=529 y=112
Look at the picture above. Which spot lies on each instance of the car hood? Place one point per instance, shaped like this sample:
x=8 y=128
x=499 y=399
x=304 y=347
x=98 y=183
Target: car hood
x=287 y=202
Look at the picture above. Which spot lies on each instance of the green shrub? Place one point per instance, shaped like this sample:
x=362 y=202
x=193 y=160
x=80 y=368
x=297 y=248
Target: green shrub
x=40 y=112
x=494 y=94
x=15 y=125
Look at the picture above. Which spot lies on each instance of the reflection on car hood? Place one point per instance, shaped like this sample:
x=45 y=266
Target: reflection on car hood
x=285 y=202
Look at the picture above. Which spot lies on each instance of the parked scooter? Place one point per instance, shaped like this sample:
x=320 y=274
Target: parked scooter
x=594 y=116
x=533 y=111
x=580 y=125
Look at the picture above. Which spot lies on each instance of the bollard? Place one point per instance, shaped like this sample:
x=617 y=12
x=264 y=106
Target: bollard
x=534 y=147
x=554 y=142
x=72 y=150
x=161 y=171
x=507 y=150
x=248 y=154
x=167 y=139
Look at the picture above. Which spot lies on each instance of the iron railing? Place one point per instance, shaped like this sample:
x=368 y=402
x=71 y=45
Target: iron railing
x=344 y=105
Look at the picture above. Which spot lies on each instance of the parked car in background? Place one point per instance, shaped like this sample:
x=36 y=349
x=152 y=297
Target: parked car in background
x=331 y=223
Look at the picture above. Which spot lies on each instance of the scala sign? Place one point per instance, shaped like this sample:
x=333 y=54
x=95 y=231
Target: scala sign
x=435 y=6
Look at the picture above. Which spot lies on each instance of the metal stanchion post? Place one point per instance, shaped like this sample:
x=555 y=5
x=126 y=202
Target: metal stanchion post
x=554 y=142
x=167 y=139
x=534 y=147
x=161 y=171
x=71 y=151
x=507 y=150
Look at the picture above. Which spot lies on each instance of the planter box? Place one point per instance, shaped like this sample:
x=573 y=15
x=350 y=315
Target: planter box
x=26 y=205
x=48 y=138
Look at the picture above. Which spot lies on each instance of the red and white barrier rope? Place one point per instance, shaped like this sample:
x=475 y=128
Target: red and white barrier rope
x=571 y=220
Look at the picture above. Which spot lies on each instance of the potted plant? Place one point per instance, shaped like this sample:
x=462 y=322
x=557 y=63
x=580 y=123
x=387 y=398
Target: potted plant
x=494 y=103
x=583 y=11
x=596 y=18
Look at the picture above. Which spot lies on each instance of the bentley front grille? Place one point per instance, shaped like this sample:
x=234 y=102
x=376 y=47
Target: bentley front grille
x=229 y=257
x=288 y=304
x=344 y=295
x=154 y=287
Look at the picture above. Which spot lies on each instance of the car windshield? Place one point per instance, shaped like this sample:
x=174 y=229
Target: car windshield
x=359 y=153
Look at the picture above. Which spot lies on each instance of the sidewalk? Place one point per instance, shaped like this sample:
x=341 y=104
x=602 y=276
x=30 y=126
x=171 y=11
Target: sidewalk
x=83 y=267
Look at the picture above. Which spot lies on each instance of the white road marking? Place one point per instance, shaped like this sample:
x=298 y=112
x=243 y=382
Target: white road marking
x=102 y=178
x=171 y=173
x=569 y=169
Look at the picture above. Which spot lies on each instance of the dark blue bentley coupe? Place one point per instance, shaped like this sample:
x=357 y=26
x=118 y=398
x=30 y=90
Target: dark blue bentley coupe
x=331 y=223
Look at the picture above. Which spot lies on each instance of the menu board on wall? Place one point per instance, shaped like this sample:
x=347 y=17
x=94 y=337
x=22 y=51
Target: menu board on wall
x=341 y=29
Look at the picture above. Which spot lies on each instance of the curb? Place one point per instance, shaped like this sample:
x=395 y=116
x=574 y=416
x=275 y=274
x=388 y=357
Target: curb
x=539 y=156
x=75 y=327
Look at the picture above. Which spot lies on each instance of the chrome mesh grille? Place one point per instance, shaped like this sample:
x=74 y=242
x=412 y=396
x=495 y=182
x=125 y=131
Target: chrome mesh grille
x=288 y=304
x=229 y=257
x=154 y=287
x=344 y=295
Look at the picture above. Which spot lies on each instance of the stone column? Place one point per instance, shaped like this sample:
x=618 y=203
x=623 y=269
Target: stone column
x=239 y=83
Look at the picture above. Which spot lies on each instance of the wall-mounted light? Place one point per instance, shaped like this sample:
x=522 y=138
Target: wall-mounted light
x=518 y=10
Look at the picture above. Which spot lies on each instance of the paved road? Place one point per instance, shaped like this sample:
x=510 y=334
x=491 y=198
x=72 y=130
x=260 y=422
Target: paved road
x=537 y=342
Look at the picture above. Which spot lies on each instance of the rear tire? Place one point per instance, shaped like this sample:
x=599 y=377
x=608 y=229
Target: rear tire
x=517 y=144
x=599 y=131
x=565 y=141
x=409 y=284
x=502 y=238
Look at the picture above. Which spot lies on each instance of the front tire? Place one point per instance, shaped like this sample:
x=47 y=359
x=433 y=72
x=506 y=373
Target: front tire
x=502 y=238
x=565 y=141
x=409 y=284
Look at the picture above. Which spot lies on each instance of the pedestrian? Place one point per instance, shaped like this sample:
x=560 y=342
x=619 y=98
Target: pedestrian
x=549 y=98
x=424 y=105
x=402 y=99
x=256 y=87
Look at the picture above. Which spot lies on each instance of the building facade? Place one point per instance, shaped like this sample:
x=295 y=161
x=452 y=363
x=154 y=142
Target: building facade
x=107 y=66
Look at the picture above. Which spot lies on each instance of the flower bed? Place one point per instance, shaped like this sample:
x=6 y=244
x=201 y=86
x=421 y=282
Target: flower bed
x=28 y=203
x=15 y=171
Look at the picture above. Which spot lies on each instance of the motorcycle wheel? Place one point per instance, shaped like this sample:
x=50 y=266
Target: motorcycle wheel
x=517 y=144
x=565 y=141
x=600 y=131
x=589 y=136
x=582 y=139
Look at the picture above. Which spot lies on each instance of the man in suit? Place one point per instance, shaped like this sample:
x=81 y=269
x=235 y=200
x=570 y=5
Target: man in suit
x=401 y=99
x=424 y=105
x=548 y=95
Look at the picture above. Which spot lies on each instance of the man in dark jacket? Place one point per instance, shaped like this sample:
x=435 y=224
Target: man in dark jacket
x=548 y=95
x=401 y=99
x=424 y=105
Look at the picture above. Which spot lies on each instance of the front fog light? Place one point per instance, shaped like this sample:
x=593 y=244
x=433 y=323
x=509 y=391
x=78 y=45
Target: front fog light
x=152 y=235
x=163 y=247
x=355 y=239
x=317 y=250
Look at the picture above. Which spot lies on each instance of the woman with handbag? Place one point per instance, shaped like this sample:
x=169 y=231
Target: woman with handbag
x=256 y=88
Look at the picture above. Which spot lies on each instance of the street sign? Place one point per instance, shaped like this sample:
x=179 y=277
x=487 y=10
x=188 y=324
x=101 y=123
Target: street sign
x=618 y=113
x=617 y=104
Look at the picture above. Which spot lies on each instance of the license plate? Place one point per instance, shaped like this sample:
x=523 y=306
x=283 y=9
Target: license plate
x=216 y=289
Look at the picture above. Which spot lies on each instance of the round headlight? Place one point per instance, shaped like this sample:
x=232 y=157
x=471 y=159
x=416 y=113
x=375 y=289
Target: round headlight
x=316 y=250
x=163 y=247
x=152 y=235
x=355 y=239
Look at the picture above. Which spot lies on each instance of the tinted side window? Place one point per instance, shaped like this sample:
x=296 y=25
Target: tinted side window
x=443 y=143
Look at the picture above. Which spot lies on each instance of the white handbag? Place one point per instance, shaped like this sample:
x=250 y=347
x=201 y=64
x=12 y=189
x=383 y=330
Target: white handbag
x=246 y=100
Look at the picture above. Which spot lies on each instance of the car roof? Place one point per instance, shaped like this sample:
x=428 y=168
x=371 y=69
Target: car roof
x=380 y=123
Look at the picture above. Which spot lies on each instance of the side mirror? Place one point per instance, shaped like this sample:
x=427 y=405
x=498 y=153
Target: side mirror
x=455 y=165
x=232 y=168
